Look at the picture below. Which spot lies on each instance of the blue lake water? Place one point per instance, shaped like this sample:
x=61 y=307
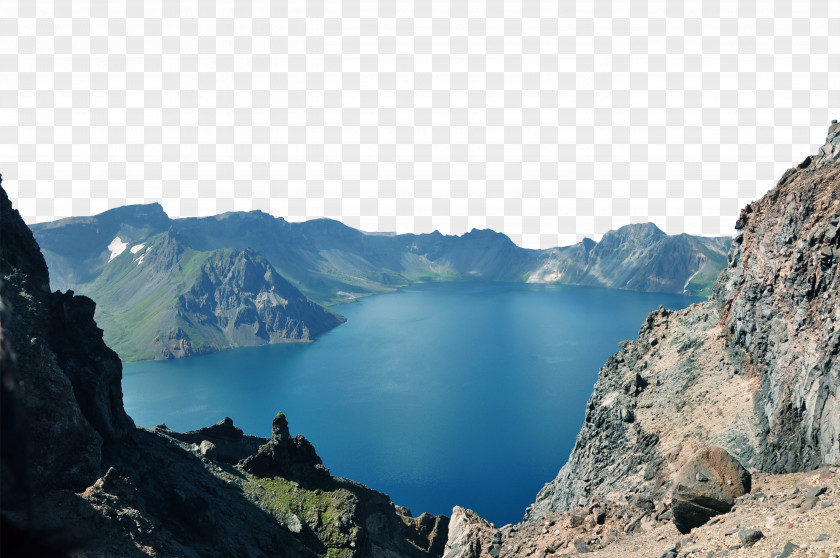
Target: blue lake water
x=437 y=394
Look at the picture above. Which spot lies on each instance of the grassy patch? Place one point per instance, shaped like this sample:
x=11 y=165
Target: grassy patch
x=328 y=513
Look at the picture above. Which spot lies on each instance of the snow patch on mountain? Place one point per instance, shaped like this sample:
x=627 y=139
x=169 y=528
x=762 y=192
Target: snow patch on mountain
x=116 y=247
x=139 y=260
x=136 y=248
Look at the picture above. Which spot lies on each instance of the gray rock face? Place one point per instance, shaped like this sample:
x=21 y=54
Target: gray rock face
x=779 y=304
x=162 y=299
x=754 y=370
x=467 y=535
x=243 y=298
x=707 y=486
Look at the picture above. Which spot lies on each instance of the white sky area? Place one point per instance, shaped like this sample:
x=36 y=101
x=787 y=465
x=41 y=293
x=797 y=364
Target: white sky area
x=548 y=121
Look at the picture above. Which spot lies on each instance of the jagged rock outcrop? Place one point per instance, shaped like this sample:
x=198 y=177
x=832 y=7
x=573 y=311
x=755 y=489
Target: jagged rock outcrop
x=426 y=531
x=754 y=370
x=779 y=305
x=221 y=442
x=62 y=397
x=287 y=457
x=470 y=535
x=241 y=296
x=76 y=475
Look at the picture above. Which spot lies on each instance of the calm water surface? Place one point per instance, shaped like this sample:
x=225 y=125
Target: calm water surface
x=438 y=394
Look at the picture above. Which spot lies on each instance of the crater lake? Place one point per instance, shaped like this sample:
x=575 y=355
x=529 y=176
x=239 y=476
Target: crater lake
x=438 y=394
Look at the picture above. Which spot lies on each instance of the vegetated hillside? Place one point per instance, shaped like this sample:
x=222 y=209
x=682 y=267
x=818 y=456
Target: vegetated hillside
x=162 y=299
x=77 y=476
x=750 y=376
x=332 y=263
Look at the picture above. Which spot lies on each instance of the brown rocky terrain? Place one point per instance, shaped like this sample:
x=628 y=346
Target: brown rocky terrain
x=755 y=370
x=793 y=520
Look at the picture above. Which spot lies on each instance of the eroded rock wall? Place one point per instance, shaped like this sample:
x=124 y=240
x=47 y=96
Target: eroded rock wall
x=753 y=370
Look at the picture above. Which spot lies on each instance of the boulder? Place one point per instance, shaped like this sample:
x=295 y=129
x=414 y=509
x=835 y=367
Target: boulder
x=208 y=449
x=467 y=534
x=750 y=536
x=707 y=486
x=577 y=516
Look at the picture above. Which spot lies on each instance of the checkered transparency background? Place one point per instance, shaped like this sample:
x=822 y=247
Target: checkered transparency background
x=547 y=120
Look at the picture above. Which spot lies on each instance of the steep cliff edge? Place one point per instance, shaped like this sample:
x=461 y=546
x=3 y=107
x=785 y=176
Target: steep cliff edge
x=62 y=398
x=779 y=307
x=754 y=370
x=77 y=477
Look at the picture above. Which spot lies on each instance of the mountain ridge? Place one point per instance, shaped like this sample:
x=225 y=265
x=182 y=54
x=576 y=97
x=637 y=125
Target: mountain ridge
x=324 y=256
x=329 y=263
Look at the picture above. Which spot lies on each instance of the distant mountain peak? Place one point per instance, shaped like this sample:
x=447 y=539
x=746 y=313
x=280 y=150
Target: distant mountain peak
x=646 y=227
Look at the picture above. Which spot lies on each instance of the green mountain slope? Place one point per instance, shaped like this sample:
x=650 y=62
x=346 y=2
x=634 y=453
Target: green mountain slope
x=332 y=263
x=167 y=288
x=163 y=299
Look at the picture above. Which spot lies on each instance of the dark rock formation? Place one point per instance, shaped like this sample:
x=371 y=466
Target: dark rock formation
x=62 y=396
x=229 y=443
x=750 y=536
x=287 y=457
x=707 y=486
x=76 y=475
x=754 y=370
x=428 y=532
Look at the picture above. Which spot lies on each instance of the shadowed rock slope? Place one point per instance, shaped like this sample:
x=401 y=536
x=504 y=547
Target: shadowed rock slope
x=754 y=370
x=78 y=477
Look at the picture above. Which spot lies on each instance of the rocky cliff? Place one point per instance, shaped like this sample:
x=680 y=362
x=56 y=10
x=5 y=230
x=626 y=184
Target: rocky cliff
x=754 y=370
x=60 y=406
x=637 y=257
x=162 y=299
x=77 y=477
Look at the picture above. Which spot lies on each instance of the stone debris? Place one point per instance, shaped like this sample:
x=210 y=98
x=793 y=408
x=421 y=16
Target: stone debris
x=750 y=536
